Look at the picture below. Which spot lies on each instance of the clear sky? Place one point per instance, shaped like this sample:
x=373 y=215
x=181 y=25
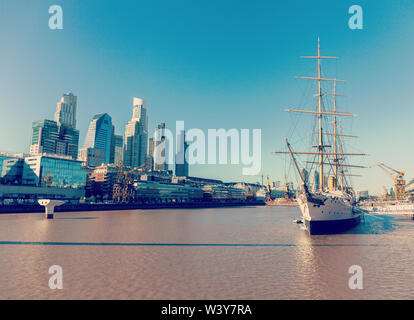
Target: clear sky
x=213 y=64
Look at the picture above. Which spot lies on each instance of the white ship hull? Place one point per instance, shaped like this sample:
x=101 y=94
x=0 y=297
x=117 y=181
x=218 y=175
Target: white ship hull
x=328 y=213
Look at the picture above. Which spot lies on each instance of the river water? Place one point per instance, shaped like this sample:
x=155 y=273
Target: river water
x=229 y=253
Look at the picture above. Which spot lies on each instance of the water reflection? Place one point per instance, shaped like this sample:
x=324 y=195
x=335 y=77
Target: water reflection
x=122 y=263
x=375 y=224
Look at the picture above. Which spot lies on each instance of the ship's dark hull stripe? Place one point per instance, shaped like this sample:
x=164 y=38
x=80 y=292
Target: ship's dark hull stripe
x=331 y=226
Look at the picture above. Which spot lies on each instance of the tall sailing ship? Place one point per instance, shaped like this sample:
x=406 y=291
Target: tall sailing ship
x=329 y=206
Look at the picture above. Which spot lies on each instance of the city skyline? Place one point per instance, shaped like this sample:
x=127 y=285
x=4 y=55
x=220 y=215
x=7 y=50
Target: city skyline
x=183 y=77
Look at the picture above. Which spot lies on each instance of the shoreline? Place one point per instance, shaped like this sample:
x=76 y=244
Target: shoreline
x=35 y=208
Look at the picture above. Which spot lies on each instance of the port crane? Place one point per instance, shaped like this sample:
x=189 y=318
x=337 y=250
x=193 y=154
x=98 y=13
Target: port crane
x=123 y=190
x=398 y=178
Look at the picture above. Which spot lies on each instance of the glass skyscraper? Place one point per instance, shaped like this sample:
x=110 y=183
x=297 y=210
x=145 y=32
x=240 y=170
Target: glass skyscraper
x=97 y=146
x=181 y=163
x=59 y=136
x=160 y=152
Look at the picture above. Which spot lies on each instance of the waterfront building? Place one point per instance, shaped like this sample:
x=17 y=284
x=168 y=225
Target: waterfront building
x=53 y=171
x=136 y=135
x=161 y=192
x=27 y=178
x=196 y=181
x=11 y=165
x=181 y=163
x=160 y=146
x=53 y=138
x=222 y=193
x=249 y=188
x=97 y=146
x=101 y=180
x=66 y=110
x=12 y=170
x=30 y=194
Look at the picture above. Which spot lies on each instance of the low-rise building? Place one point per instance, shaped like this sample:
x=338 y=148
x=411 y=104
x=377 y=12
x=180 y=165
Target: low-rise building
x=101 y=180
x=28 y=177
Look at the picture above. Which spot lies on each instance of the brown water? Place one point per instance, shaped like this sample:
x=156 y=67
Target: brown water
x=124 y=255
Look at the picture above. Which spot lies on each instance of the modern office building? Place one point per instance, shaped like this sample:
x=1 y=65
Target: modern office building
x=117 y=147
x=136 y=135
x=160 y=153
x=181 y=163
x=97 y=146
x=59 y=136
x=66 y=110
x=27 y=178
x=150 y=156
x=53 y=171
x=50 y=137
x=11 y=166
x=12 y=170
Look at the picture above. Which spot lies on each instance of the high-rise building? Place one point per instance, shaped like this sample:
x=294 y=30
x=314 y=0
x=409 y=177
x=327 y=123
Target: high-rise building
x=150 y=157
x=112 y=146
x=117 y=147
x=66 y=110
x=136 y=135
x=52 y=138
x=160 y=153
x=60 y=136
x=97 y=146
x=181 y=163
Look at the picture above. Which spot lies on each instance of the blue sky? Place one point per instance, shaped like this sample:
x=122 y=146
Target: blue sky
x=213 y=64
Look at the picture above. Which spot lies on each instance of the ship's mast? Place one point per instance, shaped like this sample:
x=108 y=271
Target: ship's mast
x=342 y=168
x=331 y=111
x=320 y=146
x=334 y=137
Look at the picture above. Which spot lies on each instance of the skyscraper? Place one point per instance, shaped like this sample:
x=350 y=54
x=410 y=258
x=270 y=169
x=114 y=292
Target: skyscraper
x=150 y=158
x=59 y=136
x=66 y=110
x=117 y=147
x=97 y=146
x=53 y=138
x=181 y=164
x=160 y=154
x=136 y=135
